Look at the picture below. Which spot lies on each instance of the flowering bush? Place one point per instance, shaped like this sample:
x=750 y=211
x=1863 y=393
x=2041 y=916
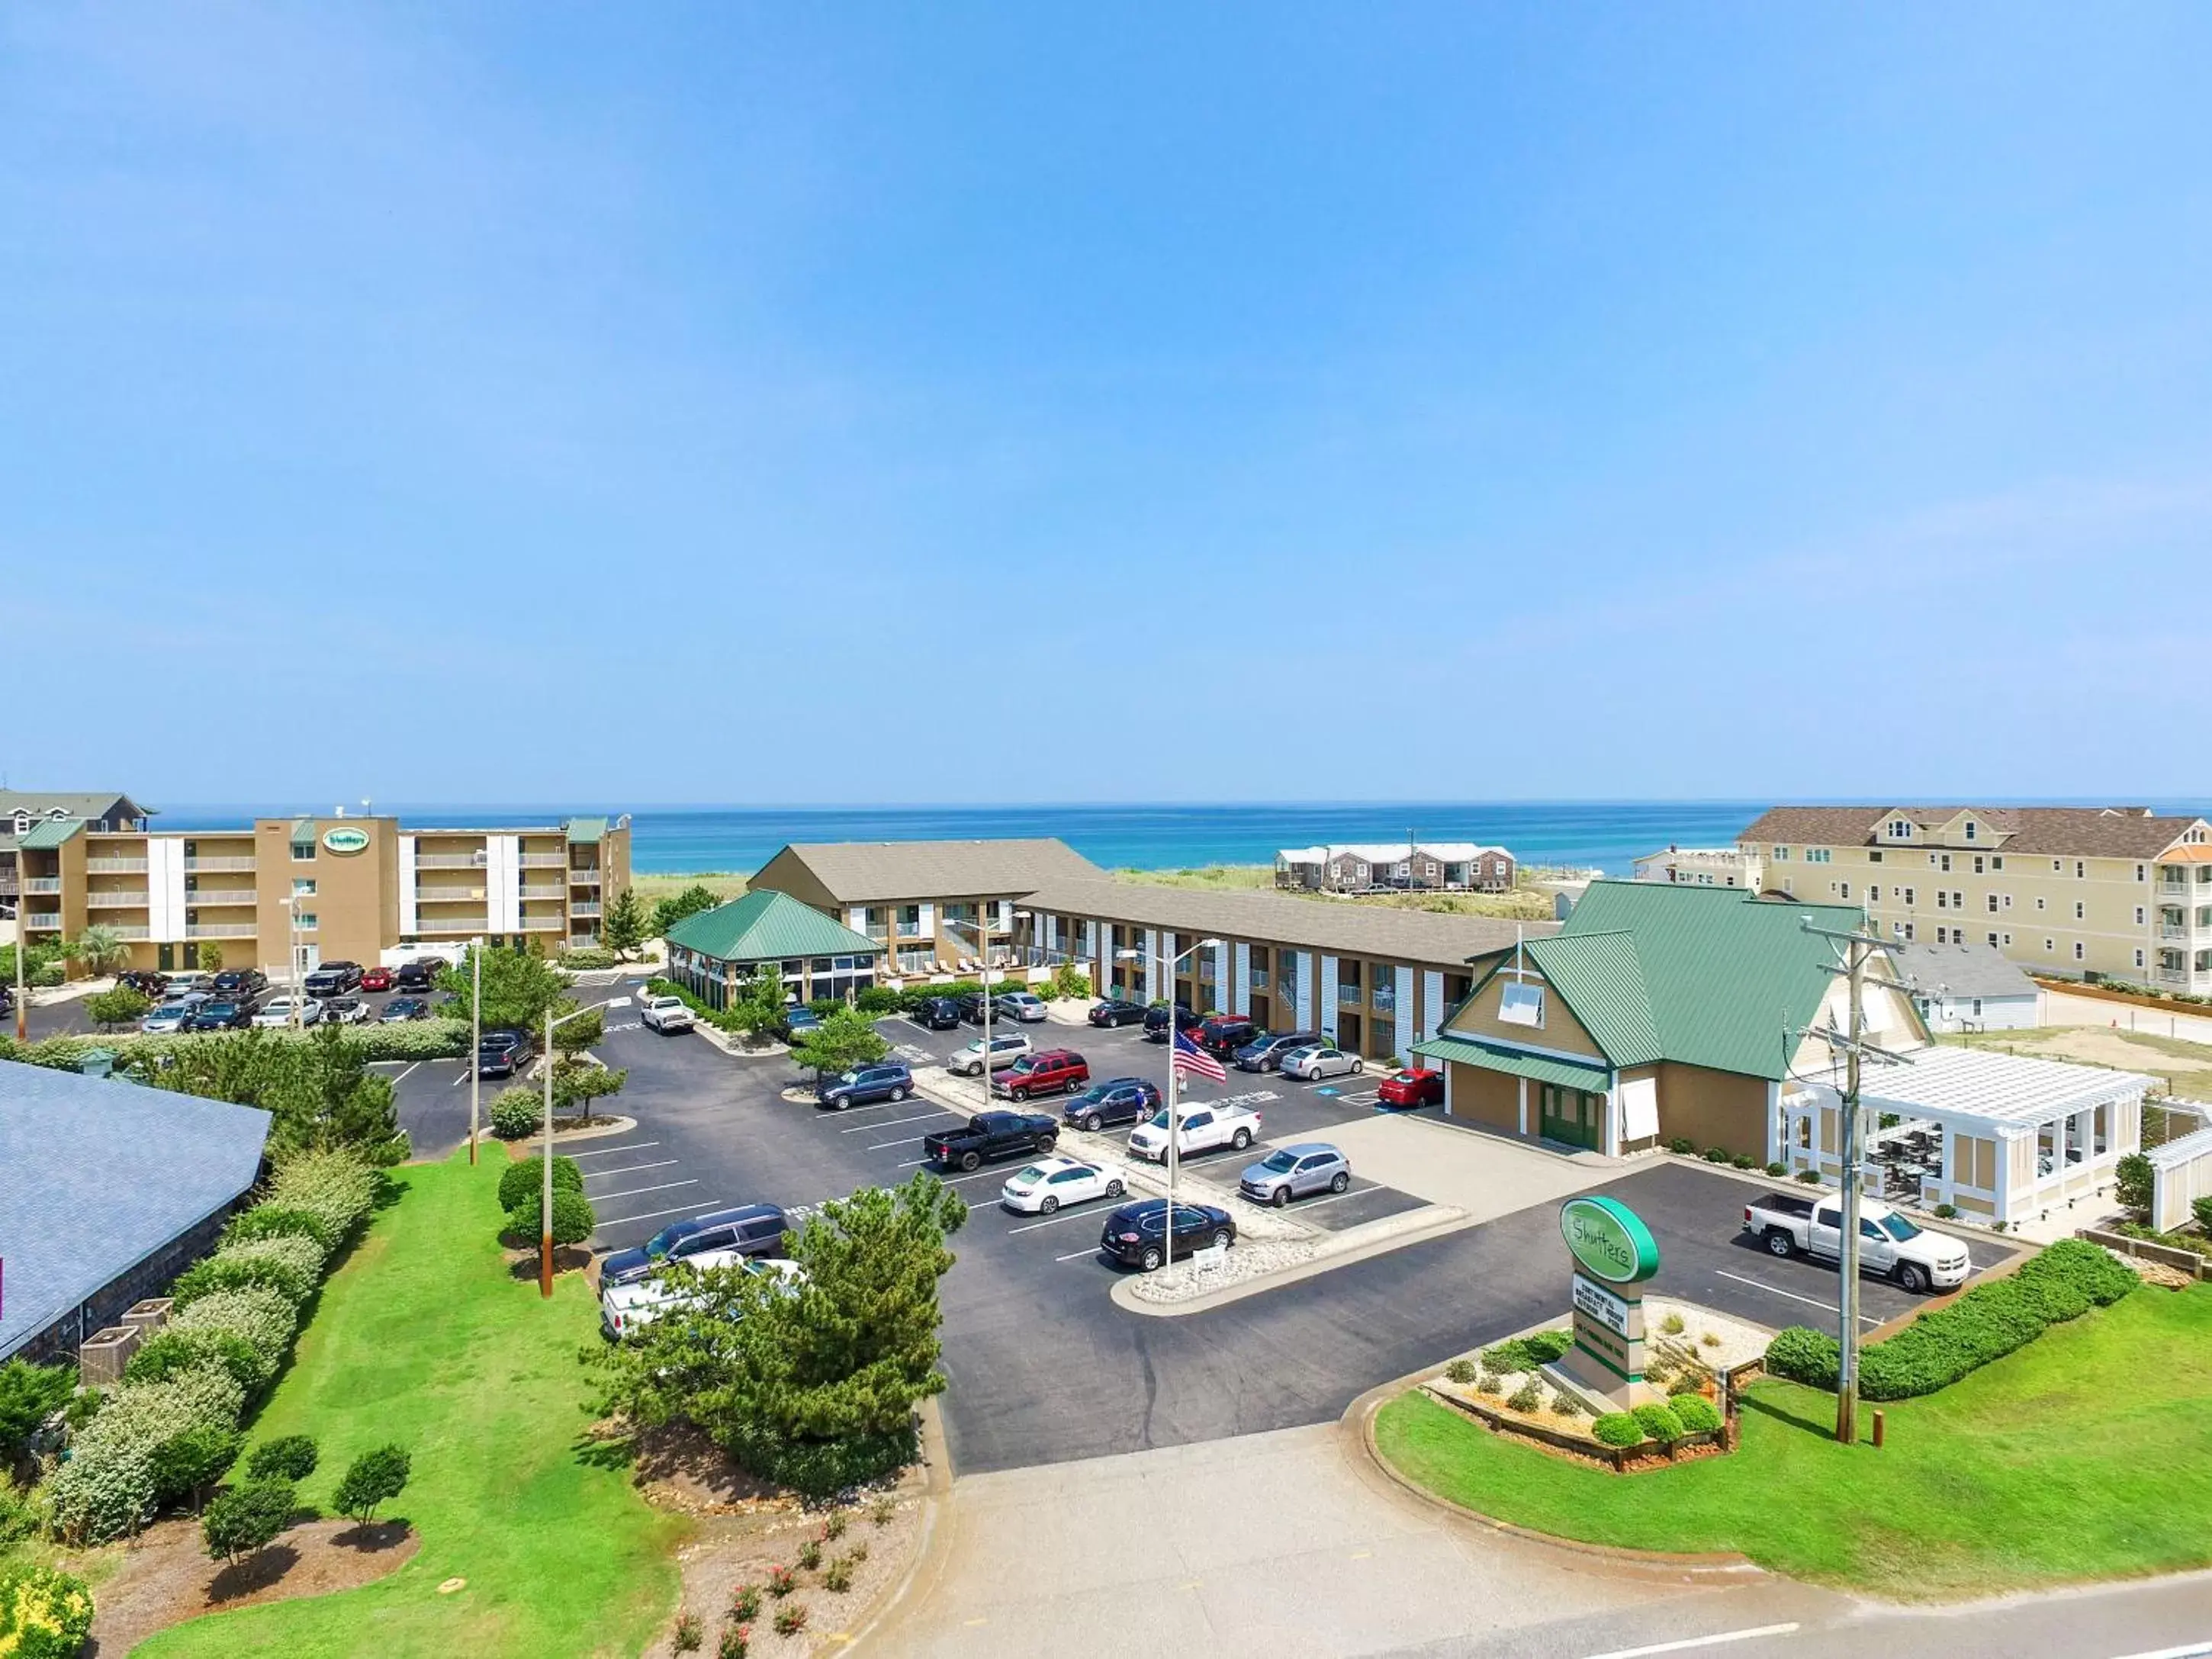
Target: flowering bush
x=43 y=1614
x=338 y=1188
x=274 y=1264
x=262 y=1316
x=99 y=1499
x=172 y=1353
x=277 y=1221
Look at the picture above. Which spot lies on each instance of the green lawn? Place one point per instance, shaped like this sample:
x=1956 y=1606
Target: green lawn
x=423 y=1338
x=2086 y=1455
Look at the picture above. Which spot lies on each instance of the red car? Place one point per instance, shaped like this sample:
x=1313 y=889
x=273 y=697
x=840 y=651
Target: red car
x=1417 y=1087
x=376 y=979
x=1055 y=1072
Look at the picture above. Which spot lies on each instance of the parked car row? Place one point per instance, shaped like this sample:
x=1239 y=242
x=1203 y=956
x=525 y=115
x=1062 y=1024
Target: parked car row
x=946 y=1013
x=633 y=1292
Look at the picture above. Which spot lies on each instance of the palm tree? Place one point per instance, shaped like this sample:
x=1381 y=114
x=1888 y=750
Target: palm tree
x=100 y=949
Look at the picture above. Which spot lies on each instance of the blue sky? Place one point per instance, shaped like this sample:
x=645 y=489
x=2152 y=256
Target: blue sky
x=697 y=403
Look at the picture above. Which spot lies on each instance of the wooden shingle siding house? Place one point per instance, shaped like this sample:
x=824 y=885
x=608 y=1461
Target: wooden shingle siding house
x=1383 y=867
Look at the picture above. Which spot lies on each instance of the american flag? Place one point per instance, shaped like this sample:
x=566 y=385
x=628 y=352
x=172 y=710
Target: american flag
x=1189 y=1057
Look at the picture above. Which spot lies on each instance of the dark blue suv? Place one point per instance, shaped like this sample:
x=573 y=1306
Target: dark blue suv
x=864 y=1086
x=1118 y=1100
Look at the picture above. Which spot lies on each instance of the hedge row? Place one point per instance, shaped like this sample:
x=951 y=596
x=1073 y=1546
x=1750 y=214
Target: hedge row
x=173 y=1424
x=414 y=1039
x=1688 y=1413
x=1989 y=1322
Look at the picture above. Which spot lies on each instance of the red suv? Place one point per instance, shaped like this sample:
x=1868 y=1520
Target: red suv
x=1054 y=1072
x=1417 y=1086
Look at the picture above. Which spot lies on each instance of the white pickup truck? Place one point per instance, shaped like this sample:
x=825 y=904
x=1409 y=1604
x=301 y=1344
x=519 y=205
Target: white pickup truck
x=665 y=1015
x=1199 y=1128
x=1889 y=1243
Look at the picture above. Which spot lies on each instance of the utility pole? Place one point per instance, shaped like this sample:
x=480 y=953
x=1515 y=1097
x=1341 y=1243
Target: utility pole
x=1858 y=947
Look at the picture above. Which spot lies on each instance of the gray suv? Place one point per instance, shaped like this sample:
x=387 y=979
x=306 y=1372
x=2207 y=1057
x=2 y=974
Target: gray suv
x=1290 y=1172
x=1265 y=1053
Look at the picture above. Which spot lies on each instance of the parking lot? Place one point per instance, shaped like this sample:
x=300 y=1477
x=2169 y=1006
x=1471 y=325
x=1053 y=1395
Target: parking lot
x=1043 y=1366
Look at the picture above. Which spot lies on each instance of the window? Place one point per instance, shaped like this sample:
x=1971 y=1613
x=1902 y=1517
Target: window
x=1873 y=895
x=1781 y=855
x=2077 y=950
x=303 y=852
x=1970 y=835
x=1958 y=900
x=1942 y=899
x=2142 y=915
x=303 y=886
x=305 y=921
x=2008 y=939
x=1788 y=884
x=1993 y=904
x=2139 y=958
x=2038 y=903
x=1996 y=862
x=1993 y=941
x=1901 y=830
x=1521 y=1004
x=1875 y=857
x=1816 y=855
x=2049 y=945
x=1977 y=864
x=2139 y=872
x=1908 y=896
x=1847 y=889
x=1908 y=930
x=2079 y=914
x=1943 y=861
x=2058 y=867
x=2079 y=869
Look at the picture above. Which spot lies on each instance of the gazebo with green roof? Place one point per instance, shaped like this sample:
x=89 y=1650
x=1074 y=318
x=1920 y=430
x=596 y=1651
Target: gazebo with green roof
x=716 y=950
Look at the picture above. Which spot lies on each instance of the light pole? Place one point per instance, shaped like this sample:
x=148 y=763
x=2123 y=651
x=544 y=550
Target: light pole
x=292 y=948
x=1168 y=966
x=475 y=1037
x=545 y=1174
x=981 y=929
x=23 y=944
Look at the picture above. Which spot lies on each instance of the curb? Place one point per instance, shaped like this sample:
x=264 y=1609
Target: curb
x=1357 y=1428
x=935 y=1543
x=1123 y=1291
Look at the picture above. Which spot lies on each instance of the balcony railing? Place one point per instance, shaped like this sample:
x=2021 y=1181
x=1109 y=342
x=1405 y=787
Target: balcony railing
x=232 y=862
x=50 y=920
x=1386 y=1002
x=545 y=892
x=2174 y=889
x=544 y=924
x=579 y=875
x=909 y=930
x=582 y=941
x=1259 y=979
x=42 y=884
x=1347 y=996
x=221 y=896
x=2172 y=930
x=128 y=930
x=449 y=896
x=584 y=908
x=126 y=901
x=543 y=861
x=478 y=923
x=115 y=867
x=220 y=930
x=450 y=861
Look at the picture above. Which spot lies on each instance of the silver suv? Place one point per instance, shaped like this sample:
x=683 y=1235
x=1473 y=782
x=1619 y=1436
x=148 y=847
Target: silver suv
x=1290 y=1172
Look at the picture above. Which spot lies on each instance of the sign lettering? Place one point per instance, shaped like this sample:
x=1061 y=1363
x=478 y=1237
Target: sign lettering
x=344 y=839
x=1609 y=1240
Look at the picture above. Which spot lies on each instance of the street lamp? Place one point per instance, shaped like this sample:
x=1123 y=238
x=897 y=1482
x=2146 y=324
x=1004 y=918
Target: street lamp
x=1168 y=966
x=475 y=1037
x=545 y=1174
x=981 y=929
x=292 y=948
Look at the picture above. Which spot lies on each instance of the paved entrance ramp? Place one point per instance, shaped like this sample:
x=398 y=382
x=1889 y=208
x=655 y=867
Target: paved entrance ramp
x=1486 y=1175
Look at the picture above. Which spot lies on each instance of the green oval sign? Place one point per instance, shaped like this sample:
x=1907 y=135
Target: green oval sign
x=1609 y=1239
x=345 y=840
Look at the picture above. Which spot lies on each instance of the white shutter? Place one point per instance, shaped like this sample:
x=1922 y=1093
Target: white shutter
x=1328 y=997
x=1240 y=993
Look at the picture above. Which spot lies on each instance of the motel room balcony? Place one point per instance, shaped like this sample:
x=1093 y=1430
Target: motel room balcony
x=126 y=900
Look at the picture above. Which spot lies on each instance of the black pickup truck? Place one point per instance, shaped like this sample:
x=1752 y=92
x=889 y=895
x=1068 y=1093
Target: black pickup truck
x=992 y=1135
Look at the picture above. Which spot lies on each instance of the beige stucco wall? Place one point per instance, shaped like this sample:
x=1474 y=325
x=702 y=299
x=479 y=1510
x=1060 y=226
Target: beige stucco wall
x=1714 y=1109
x=1484 y=1097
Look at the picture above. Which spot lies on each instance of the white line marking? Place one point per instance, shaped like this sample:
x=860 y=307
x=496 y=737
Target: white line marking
x=404 y=1075
x=2194 y=1650
x=912 y=1163
x=954 y=1181
x=655 y=1215
x=884 y=1145
x=462 y=1079
x=855 y=1111
x=1079 y=1254
x=609 y=1152
x=1689 y=1642
x=1031 y=1226
x=1810 y=1301
x=633 y=1169
x=635 y=1192
x=893 y=1123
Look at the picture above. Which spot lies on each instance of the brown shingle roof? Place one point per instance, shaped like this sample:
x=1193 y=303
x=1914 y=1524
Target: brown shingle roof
x=2052 y=831
x=879 y=872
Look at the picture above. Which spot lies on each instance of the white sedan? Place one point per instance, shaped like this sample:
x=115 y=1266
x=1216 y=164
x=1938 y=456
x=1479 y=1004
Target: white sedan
x=626 y=1309
x=277 y=1011
x=1050 y=1182
x=1317 y=1060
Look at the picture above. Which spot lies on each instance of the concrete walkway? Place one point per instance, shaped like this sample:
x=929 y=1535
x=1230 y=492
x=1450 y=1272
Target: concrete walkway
x=1486 y=1175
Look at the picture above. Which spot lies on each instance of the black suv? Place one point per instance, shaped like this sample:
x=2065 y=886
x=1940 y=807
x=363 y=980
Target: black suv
x=1135 y=1234
x=1224 y=1034
x=240 y=984
x=970 y=1005
x=1115 y=1011
x=864 y=1086
x=416 y=977
x=503 y=1054
x=1265 y=1053
x=1156 y=1022
x=753 y=1229
x=221 y=1015
x=936 y=1014
x=333 y=979
x=1118 y=1100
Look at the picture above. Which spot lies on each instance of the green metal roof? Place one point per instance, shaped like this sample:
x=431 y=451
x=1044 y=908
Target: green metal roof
x=584 y=831
x=1708 y=976
x=766 y=925
x=1539 y=1068
x=49 y=833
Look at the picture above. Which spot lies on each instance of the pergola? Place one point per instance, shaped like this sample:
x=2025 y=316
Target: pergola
x=2013 y=1137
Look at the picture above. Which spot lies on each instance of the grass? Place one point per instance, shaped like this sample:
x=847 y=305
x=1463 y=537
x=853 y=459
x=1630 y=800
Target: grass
x=2086 y=1455
x=423 y=1338
x=725 y=885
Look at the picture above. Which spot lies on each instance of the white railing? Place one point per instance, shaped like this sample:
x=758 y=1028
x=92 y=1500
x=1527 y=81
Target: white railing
x=449 y=896
x=545 y=892
x=42 y=884
x=221 y=896
x=478 y=923
x=129 y=930
x=115 y=867
x=584 y=908
x=116 y=901
x=232 y=863
x=49 y=919
x=579 y=876
x=2172 y=930
x=543 y=861
x=582 y=941
x=544 y=924
x=220 y=930
x=450 y=861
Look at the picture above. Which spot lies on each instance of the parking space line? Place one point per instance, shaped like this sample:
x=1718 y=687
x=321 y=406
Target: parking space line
x=633 y=1169
x=1078 y=1255
x=1810 y=1301
x=637 y=1192
x=954 y=1181
x=1031 y=1226
x=891 y=1122
x=404 y=1075
x=912 y=1163
x=609 y=1152
x=655 y=1215
x=885 y=1146
x=855 y=1111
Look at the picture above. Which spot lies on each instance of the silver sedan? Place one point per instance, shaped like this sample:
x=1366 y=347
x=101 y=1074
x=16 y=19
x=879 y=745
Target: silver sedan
x=1319 y=1060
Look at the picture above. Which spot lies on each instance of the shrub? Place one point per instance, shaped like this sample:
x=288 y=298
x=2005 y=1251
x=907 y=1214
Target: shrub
x=2202 y=1209
x=1682 y=1145
x=1810 y=1177
x=261 y=1315
x=2132 y=1181
x=589 y=957
x=817 y=1469
x=43 y=1614
x=1716 y=1154
x=877 y=999
x=833 y=1527
x=1688 y=1382
x=335 y=1187
x=29 y=1394
x=279 y=1221
x=99 y=1499
x=1802 y=1354
x=377 y=1476
x=1778 y=1168
x=780 y=1583
x=881 y=1510
x=1461 y=1371
x=858 y=1553
x=689 y=1635
x=810 y=1554
x=517 y=1114
x=1526 y=1353
x=247 y=1518
x=1567 y=1404
x=526 y=1178
x=1618 y=1429
x=171 y=1353
x=735 y=1643
x=143 y=1417
x=1744 y=1161
x=1659 y=1422
x=1992 y=1320
x=1672 y=1324
x=287 y=1457
x=745 y=1603
x=790 y=1618
x=290 y=1266
x=1946 y=1212
x=1697 y=1414
x=186 y=1465
x=1527 y=1397
x=838 y=1575
x=573 y=1219
x=1490 y=1382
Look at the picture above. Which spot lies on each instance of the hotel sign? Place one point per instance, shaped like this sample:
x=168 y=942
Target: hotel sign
x=1614 y=1253
x=346 y=840
x=1609 y=1239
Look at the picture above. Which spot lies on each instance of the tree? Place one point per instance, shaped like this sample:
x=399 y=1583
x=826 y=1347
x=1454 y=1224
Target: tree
x=573 y=1219
x=846 y=1038
x=211 y=957
x=375 y=1477
x=518 y=989
x=121 y=1006
x=688 y=902
x=585 y=1031
x=320 y=1091
x=287 y=1457
x=98 y=950
x=2132 y=1178
x=29 y=1394
x=577 y=1082
x=185 y=1466
x=757 y=1007
x=624 y=928
x=811 y=1382
x=247 y=1518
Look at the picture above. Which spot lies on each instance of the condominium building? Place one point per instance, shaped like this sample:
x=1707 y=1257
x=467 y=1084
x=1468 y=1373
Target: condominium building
x=309 y=889
x=2092 y=893
x=1702 y=867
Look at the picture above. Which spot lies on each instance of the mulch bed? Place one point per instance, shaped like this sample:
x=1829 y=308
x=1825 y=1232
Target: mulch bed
x=167 y=1578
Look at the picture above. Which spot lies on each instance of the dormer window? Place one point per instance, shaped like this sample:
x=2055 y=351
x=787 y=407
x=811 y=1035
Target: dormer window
x=1901 y=830
x=22 y=823
x=1969 y=828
